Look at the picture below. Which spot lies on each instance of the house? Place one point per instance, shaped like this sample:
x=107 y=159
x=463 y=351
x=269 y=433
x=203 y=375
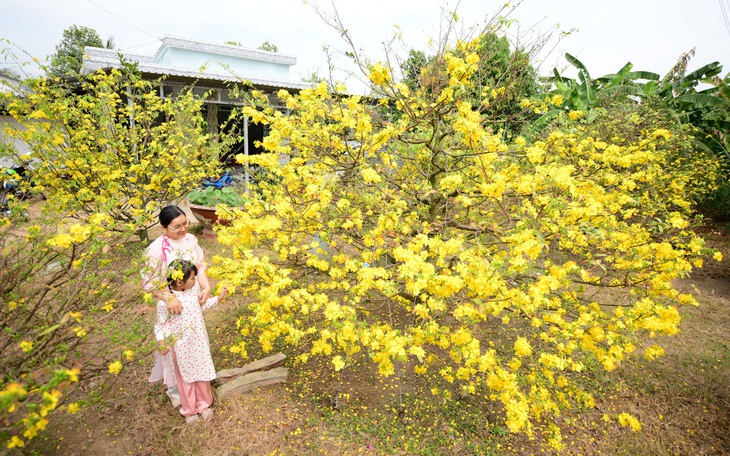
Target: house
x=209 y=68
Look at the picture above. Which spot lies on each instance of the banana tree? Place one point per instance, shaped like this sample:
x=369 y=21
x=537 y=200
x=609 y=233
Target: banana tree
x=582 y=94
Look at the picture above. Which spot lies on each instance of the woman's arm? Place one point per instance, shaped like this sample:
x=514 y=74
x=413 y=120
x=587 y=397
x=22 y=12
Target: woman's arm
x=174 y=306
x=204 y=287
x=202 y=276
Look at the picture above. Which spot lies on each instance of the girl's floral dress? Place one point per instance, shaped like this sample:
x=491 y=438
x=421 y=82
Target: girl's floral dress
x=188 y=334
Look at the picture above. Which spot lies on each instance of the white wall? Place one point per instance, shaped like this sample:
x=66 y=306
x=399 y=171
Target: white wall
x=20 y=146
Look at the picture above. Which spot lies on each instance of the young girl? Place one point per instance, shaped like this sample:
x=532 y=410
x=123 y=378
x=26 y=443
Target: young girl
x=184 y=336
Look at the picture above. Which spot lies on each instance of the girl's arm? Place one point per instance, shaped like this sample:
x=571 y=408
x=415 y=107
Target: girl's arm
x=216 y=299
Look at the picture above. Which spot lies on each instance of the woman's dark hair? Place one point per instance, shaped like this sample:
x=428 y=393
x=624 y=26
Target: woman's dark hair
x=185 y=266
x=168 y=214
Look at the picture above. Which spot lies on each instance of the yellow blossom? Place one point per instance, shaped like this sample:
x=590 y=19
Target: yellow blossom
x=574 y=115
x=653 y=352
x=115 y=367
x=379 y=75
x=73 y=374
x=371 y=176
x=522 y=347
x=338 y=362
x=627 y=420
x=15 y=442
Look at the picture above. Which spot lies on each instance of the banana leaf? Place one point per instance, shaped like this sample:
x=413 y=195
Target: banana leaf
x=690 y=80
x=643 y=75
x=622 y=73
x=538 y=125
x=623 y=90
x=702 y=100
x=650 y=88
x=578 y=64
x=707 y=71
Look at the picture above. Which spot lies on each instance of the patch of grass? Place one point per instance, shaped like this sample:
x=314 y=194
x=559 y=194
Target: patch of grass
x=416 y=427
x=396 y=416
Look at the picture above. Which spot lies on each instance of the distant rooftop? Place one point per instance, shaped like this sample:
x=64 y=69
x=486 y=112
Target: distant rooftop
x=186 y=58
x=12 y=84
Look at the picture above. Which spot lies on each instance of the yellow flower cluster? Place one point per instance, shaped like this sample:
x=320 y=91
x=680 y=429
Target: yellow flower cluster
x=379 y=75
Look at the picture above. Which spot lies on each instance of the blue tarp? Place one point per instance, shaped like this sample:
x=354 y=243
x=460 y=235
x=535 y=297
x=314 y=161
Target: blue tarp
x=223 y=181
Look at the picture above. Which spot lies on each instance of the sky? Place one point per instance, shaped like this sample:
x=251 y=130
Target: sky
x=652 y=34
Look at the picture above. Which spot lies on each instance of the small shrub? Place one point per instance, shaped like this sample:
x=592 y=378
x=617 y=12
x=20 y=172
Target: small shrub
x=211 y=196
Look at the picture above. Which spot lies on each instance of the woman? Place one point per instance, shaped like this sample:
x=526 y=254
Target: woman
x=174 y=244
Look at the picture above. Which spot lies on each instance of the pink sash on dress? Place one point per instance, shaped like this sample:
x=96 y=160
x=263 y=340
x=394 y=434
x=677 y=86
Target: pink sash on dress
x=166 y=247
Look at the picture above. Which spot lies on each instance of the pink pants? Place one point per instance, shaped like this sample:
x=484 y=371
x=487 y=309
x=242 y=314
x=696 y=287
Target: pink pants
x=195 y=396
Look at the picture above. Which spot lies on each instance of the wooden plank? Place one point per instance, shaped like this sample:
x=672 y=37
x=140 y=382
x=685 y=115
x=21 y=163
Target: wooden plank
x=252 y=381
x=264 y=364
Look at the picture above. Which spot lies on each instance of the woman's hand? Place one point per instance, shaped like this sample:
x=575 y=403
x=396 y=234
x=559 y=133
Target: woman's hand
x=174 y=306
x=204 y=295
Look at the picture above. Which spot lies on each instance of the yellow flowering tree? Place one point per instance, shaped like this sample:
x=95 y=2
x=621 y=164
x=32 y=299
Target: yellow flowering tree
x=62 y=287
x=509 y=271
x=111 y=144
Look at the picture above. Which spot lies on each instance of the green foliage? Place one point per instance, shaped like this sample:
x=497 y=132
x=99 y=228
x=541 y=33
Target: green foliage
x=584 y=94
x=413 y=67
x=70 y=51
x=717 y=204
x=498 y=67
x=708 y=111
x=211 y=196
x=501 y=66
x=268 y=47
